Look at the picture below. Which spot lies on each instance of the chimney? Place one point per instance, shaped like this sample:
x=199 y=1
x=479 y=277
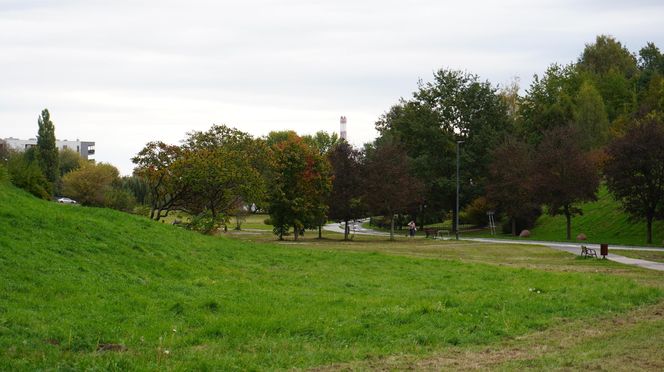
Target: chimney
x=343 y=127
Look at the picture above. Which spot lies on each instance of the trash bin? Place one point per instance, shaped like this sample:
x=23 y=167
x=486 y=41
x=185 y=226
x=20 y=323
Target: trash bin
x=604 y=249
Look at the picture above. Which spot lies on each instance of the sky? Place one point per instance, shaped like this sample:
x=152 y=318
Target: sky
x=122 y=73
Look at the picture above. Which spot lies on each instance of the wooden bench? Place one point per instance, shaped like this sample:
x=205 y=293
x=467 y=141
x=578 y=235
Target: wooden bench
x=588 y=252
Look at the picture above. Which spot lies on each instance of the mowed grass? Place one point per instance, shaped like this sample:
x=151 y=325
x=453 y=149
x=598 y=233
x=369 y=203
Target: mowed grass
x=603 y=221
x=75 y=280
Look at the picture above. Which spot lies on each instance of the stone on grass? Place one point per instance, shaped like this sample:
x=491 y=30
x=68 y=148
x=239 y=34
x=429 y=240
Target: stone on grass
x=524 y=234
x=581 y=236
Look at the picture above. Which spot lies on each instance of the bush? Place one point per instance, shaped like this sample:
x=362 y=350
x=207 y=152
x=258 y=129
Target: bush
x=4 y=174
x=476 y=212
x=119 y=199
x=28 y=176
x=204 y=223
x=90 y=183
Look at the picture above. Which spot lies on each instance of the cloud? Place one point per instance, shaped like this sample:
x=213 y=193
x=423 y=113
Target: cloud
x=122 y=73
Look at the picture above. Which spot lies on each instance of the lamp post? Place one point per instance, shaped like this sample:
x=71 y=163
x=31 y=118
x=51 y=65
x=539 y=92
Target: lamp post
x=456 y=230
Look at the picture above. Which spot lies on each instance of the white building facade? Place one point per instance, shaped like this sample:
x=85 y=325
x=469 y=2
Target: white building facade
x=85 y=148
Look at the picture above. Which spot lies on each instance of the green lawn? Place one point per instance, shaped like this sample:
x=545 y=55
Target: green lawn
x=75 y=279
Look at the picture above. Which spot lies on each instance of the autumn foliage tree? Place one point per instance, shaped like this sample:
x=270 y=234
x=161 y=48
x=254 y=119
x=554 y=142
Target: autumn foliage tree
x=389 y=186
x=300 y=183
x=346 y=197
x=635 y=172
x=510 y=182
x=564 y=175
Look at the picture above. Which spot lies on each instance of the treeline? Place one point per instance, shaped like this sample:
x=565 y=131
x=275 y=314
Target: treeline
x=599 y=119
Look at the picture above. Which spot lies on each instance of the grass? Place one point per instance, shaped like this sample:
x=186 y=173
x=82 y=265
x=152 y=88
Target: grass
x=603 y=221
x=76 y=280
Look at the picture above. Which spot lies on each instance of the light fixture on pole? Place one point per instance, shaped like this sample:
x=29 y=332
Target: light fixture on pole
x=456 y=229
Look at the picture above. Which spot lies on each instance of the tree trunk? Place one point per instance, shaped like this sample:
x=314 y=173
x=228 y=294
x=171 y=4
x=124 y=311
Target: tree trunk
x=320 y=231
x=649 y=218
x=346 y=230
x=392 y=227
x=569 y=223
x=513 y=226
x=296 y=232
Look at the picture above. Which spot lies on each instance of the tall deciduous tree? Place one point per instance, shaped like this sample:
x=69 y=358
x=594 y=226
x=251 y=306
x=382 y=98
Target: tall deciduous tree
x=590 y=119
x=511 y=182
x=389 y=187
x=635 y=171
x=47 y=151
x=345 y=202
x=300 y=186
x=565 y=175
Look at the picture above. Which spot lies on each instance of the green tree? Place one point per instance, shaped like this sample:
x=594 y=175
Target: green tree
x=47 y=151
x=635 y=171
x=564 y=174
x=322 y=141
x=299 y=187
x=548 y=102
x=69 y=160
x=160 y=166
x=590 y=119
x=219 y=172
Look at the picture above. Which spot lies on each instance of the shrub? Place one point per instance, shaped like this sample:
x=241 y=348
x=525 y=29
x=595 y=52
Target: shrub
x=4 y=174
x=476 y=212
x=90 y=183
x=28 y=175
x=119 y=199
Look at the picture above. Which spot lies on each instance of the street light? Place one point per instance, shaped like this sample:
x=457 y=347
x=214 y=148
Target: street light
x=457 y=193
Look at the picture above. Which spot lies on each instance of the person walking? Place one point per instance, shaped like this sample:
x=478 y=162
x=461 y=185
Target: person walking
x=411 y=228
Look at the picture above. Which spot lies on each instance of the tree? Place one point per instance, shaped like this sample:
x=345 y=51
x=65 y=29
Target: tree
x=635 y=171
x=345 y=201
x=47 y=152
x=299 y=187
x=218 y=169
x=590 y=119
x=564 y=174
x=389 y=188
x=511 y=182
x=90 y=183
x=69 y=160
x=548 y=102
x=608 y=54
x=322 y=141
x=160 y=166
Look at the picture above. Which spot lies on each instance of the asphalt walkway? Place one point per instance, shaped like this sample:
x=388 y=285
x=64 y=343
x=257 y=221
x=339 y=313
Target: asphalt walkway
x=574 y=248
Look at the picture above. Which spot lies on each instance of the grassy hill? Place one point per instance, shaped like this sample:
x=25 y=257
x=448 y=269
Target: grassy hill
x=603 y=221
x=89 y=288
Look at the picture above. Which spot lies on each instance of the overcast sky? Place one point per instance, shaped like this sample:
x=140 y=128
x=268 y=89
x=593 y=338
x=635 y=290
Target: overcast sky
x=122 y=73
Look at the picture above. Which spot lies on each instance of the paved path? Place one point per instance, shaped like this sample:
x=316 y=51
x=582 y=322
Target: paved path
x=359 y=230
x=575 y=248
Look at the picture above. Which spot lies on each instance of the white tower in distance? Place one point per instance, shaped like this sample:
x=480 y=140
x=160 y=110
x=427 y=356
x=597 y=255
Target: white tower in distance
x=343 y=127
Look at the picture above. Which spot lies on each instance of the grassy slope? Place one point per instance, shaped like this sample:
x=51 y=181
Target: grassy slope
x=73 y=278
x=603 y=221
